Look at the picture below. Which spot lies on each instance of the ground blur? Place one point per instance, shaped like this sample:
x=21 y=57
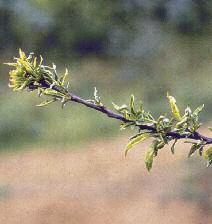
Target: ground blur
x=96 y=184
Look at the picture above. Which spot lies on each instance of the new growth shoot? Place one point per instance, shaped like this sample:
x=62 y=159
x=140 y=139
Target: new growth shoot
x=30 y=74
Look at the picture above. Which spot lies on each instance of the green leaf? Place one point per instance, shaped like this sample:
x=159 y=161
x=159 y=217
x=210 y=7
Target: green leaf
x=134 y=141
x=11 y=64
x=52 y=92
x=63 y=78
x=208 y=156
x=22 y=54
x=125 y=125
x=210 y=128
x=120 y=109
x=97 y=98
x=174 y=108
x=149 y=158
x=198 y=110
x=45 y=103
x=193 y=149
x=132 y=104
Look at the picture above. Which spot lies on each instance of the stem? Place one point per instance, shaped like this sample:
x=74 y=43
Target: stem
x=111 y=114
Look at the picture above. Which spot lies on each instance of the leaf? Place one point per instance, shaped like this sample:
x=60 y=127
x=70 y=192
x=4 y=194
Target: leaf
x=125 y=125
x=63 y=78
x=198 y=110
x=210 y=128
x=173 y=146
x=24 y=85
x=174 y=108
x=140 y=107
x=11 y=64
x=149 y=158
x=41 y=60
x=45 y=103
x=120 y=109
x=22 y=54
x=209 y=163
x=97 y=97
x=134 y=141
x=26 y=65
x=52 y=92
x=35 y=62
x=132 y=104
x=208 y=156
x=193 y=149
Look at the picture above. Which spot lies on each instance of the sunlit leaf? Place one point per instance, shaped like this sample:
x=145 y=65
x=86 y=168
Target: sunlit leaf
x=134 y=141
x=174 y=108
x=149 y=158
x=198 y=110
x=22 y=54
x=120 y=108
x=132 y=104
x=193 y=149
x=45 y=103
x=208 y=156
x=63 y=78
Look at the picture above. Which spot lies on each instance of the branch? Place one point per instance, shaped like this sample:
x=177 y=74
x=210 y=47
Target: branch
x=195 y=136
x=33 y=76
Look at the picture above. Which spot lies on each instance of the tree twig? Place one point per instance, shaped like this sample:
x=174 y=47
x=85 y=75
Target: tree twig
x=111 y=114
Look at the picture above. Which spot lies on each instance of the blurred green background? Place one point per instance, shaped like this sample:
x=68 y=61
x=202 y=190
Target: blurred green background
x=122 y=47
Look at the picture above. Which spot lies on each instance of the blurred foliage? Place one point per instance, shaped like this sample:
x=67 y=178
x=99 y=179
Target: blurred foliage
x=96 y=26
x=149 y=47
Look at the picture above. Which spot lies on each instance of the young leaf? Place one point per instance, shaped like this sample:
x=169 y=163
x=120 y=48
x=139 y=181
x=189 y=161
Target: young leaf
x=193 y=149
x=208 y=156
x=22 y=54
x=120 y=109
x=198 y=110
x=97 y=98
x=45 y=103
x=125 y=125
x=149 y=158
x=174 y=108
x=134 y=141
x=63 y=78
x=132 y=104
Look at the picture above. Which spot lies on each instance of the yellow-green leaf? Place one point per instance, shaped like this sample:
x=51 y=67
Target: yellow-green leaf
x=208 y=153
x=35 y=62
x=63 y=78
x=45 y=103
x=132 y=104
x=193 y=149
x=208 y=156
x=174 y=108
x=11 y=64
x=22 y=54
x=120 y=108
x=149 y=158
x=135 y=141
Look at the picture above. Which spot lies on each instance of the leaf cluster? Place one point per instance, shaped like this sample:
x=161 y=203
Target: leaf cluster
x=31 y=74
x=182 y=125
